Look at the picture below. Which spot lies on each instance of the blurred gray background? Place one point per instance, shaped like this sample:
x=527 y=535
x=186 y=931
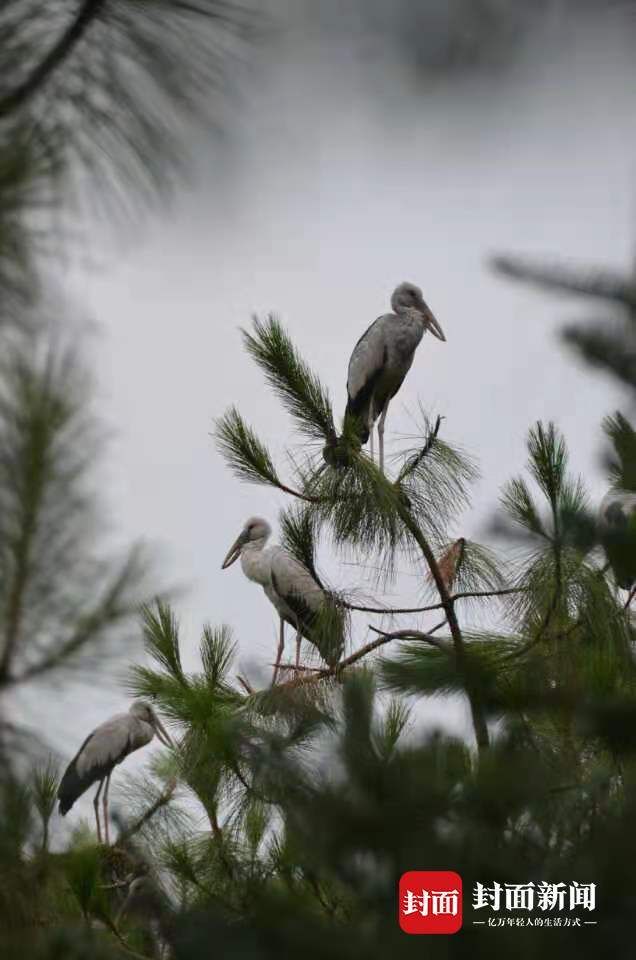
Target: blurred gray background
x=363 y=144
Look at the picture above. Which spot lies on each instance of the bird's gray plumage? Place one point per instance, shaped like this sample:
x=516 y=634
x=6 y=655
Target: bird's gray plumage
x=289 y=585
x=383 y=356
x=104 y=748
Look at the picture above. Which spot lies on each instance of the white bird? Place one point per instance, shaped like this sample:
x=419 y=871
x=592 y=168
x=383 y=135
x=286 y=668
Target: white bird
x=290 y=587
x=382 y=357
x=103 y=749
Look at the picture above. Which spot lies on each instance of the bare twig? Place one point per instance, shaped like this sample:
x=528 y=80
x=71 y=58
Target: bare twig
x=360 y=653
x=163 y=798
x=487 y=593
x=410 y=635
x=433 y=606
x=292 y=666
x=415 y=461
x=296 y=493
x=249 y=689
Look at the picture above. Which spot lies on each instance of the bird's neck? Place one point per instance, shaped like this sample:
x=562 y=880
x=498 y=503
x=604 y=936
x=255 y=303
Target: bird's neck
x=412 y=316
x=255 y=562
x=145 y=731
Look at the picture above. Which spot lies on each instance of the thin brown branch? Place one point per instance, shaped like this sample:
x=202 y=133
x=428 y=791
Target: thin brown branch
x=360 y=654
x=409 y=635
x=161 y=801
x=605 y=285
x=415 y=461
x=292 y=666
x=296 y=493
x=447 y=602
x=249 y=689
x=432 y=606
x=487 y=593
x=59 y=52
x=390 y=610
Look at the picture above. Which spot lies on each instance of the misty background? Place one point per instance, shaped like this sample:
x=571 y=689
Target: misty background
x=352 y=155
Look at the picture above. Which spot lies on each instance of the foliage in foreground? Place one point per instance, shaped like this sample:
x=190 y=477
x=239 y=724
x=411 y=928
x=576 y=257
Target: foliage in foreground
x=284 y=817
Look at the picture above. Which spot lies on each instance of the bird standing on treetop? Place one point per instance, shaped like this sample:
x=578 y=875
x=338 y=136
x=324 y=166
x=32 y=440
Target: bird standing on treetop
x=291 y=588
x=103 y=749
x=382 y=357
x=617 y=531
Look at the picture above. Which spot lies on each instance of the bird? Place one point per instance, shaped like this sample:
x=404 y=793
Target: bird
x=381 y=359
x=103 y=749
x=450 y=561
x=617 y=533
x=291 y=588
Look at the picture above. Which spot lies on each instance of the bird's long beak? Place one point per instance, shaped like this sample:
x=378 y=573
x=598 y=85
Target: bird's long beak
x=434 y=326
x=235 y=550
x=162 y=733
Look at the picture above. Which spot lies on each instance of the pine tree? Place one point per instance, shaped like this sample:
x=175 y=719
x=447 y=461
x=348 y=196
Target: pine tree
x=321 y=790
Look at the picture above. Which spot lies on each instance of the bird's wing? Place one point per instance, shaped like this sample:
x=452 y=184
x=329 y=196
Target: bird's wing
x=294 y=584
x=108 y=744
x=366 y=363
x=319 y=620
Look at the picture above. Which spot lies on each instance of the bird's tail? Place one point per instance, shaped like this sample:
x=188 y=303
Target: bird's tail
x=327 y=631
x=355 y=414
x=337 y=451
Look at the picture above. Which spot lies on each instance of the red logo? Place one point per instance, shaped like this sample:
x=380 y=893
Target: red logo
x=430 y=901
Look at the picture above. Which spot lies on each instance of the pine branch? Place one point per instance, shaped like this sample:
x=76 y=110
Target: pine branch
x=313 y=676
x=609 y=350
x=408 y=634
x=248 y=458
x=161 y=635
x=111 y=609
x=298 y=535
x=164 y=797
x=479 y=721
x=465 y=594
x=622 y=464
x=299 y=389
x=600 y=284
x=88 y=11
x=413 y=462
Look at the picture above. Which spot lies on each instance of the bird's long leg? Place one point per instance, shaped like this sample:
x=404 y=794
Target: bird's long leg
x=96 y=806
x=281 y=647
x=632 y=594
x=381 y=434
x=105 y=802
x=370 y=420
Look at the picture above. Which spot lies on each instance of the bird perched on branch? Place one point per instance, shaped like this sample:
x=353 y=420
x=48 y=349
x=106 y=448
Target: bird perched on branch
x=381 y=359
x=617 y=532
x=103 y=749
x=292 y=589
x=450 y=562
